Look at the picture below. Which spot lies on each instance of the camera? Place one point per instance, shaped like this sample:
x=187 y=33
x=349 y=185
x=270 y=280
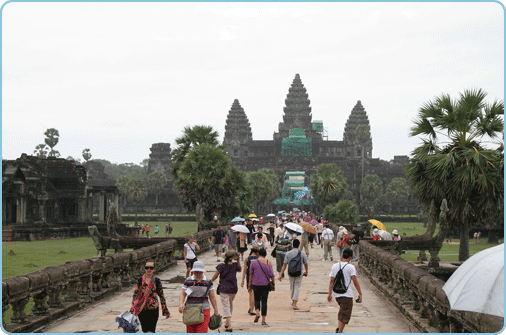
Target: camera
x=358 y=299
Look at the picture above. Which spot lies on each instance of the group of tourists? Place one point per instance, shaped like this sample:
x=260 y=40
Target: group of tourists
x=291 y=255
x=145 y=228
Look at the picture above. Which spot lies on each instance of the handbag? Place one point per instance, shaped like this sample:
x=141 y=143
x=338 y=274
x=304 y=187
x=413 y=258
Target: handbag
x=273 y=253
x=272 y=287
x=339 y=243
x=194 y=314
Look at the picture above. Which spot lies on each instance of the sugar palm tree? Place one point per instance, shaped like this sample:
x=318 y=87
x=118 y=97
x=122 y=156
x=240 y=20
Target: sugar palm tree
x=328 y=185
x=453 y=163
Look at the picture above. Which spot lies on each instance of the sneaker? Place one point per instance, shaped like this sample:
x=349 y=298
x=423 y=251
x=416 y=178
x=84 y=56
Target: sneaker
x=324 y=260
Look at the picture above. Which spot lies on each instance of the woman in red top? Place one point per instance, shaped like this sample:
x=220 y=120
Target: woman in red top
x=145 y=299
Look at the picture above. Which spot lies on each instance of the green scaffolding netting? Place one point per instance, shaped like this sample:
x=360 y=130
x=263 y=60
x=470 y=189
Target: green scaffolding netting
x=297 y=133
x=294 y=183
x=294 y=146
x=317 y=126
x=295 y=173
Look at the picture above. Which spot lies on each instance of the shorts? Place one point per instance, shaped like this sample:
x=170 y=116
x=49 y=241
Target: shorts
x=189 y=263
x=345 y=308
x=218 y=247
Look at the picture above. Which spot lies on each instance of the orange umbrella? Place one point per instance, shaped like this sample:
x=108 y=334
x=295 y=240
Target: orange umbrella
x=378 y=224
x=308 y=227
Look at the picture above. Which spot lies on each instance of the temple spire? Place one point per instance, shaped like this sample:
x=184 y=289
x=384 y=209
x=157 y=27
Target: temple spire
x=237 y=130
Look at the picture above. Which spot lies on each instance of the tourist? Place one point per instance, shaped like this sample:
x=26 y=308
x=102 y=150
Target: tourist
x=242 y=244
x=345 y=300
x=251 y=228
x=396 y=235
x=278 y=232
x=356 y=235
x=345 y=240
x=339 y=239
x=282 y=246
x=260 y=229
x=245 y=275
x=271 y=228
x=232 y=238
x=219 y=239
x=156 y=230
x=227 y=289
x=261 y=274
x=145 y=299
x=189 y=253
x=295 y=279
x=327 y=241
x=170 y=230
x=311 y=239
x=143 y=229
x=166 y=231
x=201 y=291
x=147 y=230
x=258 y=240
x=305 y=242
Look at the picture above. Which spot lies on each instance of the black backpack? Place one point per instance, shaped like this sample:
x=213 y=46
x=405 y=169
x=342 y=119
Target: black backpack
x=295 y=266
x=339 y=284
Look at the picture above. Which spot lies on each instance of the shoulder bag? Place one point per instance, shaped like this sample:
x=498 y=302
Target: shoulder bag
x=195 y=259
x=194 y=314
x=272 y=287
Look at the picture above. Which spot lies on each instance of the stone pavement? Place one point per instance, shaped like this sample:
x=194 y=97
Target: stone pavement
x=316 y=315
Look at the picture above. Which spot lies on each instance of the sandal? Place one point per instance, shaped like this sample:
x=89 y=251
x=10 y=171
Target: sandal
x=264 y=323
x=256 y=318
x=229 y=330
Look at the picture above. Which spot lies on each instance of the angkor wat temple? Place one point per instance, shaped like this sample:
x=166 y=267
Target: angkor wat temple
x=300 y=144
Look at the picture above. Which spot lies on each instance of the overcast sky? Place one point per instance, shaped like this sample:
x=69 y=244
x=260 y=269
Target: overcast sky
x=118 y=77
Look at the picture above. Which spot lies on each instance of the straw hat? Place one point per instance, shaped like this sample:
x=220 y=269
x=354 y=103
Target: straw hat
x=375 y=231
x=341 y=228
x=345 y=231
x=230 y=254
x=395 y=232
x=198 y=266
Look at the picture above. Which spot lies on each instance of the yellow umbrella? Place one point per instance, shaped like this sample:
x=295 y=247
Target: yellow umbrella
x=378 y=224
x=252 y=215
x=307 y=227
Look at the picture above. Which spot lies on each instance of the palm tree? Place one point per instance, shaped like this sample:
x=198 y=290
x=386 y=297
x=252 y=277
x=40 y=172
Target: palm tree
x=136 y=193
x=328 y=185
x=371 y=188
x=452 y=162
x=52 y=138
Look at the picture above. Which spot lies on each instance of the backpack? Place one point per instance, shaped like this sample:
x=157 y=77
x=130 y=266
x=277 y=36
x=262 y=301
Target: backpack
x=295 y=266
x=339 y=284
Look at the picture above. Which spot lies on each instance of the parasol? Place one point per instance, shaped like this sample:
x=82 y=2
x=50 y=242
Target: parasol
x=240 y=228
x=252 y=215
x=308 y=227
x=271 y=215
x=377 y=224
x=314 y=222
x=294 y=227
x=237 y=219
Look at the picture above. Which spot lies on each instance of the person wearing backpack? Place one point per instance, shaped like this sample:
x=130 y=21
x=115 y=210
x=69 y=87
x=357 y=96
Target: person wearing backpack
x=341 y=276
x=294 y=260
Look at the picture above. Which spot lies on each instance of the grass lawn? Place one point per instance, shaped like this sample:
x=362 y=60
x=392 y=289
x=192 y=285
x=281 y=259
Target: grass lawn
x=180 y=228
x=449 y=252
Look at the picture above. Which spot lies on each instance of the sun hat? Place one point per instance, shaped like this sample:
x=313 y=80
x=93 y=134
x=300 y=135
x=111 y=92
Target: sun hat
x=395 y=232
x=341 y=228
x=345 y=231
x=198 y=266
x=215 y=322
x=375 y=231
x=230 y=254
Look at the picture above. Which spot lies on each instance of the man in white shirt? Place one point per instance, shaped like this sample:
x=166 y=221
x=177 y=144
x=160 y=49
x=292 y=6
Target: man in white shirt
x=344 y=300
x=319 y=231
x=327 y=241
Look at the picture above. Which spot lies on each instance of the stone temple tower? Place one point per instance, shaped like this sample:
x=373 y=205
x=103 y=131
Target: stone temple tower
x=159 y=159
x=358 y=116
x=297 y=113
x=238 y=133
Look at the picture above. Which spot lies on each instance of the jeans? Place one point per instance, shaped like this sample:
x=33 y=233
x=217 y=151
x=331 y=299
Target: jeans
x=261 y=294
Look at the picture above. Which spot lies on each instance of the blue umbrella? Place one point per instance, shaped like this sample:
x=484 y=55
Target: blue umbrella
x=280 y=212
x=237 y=219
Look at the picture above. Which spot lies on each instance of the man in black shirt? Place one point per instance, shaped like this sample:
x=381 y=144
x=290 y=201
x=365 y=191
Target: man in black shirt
x=219 y=239
x=356 y=235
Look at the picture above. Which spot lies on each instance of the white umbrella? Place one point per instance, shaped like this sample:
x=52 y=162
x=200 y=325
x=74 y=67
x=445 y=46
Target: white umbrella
x=478 y=284
x=295 y=227
x=386 y=236
x=271 y=215
x=240 y=228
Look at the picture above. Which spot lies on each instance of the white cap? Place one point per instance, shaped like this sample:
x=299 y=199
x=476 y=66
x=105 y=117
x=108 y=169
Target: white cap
x=395 y=232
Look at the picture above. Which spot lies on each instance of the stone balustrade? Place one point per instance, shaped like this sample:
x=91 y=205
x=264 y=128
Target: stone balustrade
x=57 y=290
x=419 y=295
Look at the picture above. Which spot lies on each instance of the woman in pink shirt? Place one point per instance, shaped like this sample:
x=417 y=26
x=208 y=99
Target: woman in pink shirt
x=261 y=273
